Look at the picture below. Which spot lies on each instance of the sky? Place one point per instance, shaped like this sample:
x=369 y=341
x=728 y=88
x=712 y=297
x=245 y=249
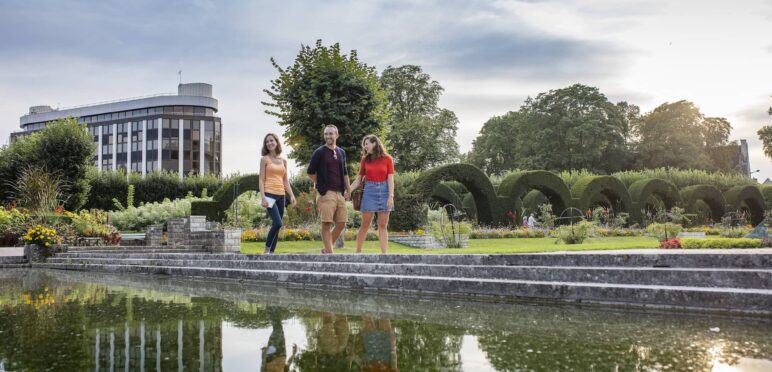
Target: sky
x=489 y=56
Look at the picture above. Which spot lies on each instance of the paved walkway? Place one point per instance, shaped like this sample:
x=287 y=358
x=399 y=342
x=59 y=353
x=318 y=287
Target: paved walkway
x=11 y=251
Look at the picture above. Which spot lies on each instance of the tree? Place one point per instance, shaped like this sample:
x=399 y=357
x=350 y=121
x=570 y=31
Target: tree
x=679 y=135
x=421 y=135
x=765 y=135
x=573 y=128
x=324 y=87
x=494 y=150
x=63 y=147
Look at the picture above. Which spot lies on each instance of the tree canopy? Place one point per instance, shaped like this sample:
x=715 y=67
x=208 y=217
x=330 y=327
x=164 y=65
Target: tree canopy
x=322 y=87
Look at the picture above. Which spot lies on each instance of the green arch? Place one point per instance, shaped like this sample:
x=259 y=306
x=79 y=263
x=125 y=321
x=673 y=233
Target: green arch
x=469 y=207
x=516 y=186
x=746 y=196
x=585 y=191
x=642 y=190
x=214 y=210
x=446 y=195
x=533 y=199
x=710 y=195
x=478 y=184
x=766 y=190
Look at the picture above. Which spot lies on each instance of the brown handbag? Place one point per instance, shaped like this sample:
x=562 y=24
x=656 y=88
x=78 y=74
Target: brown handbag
x=356 y=198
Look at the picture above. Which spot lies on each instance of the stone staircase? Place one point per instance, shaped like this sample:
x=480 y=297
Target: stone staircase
x=13 y=262
x=724 y=282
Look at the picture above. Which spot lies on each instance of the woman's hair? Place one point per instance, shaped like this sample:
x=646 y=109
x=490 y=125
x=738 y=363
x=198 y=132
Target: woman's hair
x=378 y=150
x=278 y=144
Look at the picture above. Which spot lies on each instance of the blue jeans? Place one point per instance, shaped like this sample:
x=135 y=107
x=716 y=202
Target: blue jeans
x=276 y=213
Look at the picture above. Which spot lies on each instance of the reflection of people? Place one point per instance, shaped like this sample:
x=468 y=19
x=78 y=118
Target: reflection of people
x=333 y=339
x=275 y=353
x=329 y=172
x=380 y=344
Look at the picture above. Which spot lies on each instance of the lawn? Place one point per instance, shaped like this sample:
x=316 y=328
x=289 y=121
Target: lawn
x=515 y=245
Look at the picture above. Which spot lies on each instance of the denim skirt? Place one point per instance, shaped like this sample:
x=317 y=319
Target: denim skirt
x=375 y=198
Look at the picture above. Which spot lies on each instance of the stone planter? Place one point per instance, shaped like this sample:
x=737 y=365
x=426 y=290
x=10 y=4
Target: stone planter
x=424 y=241
x=36 y=253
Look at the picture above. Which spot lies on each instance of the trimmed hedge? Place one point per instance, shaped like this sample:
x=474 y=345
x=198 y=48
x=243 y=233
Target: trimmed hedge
x=586 y=190
x=469 y=207
x=445 y=195
x=600 y=200
x=532 y=200
x=750 y=197
x=214 y=210
x=766 y=190
x=517 y=185
x=488 y=209
x=410 y=212
x=710 y=195
x=641 y=191
x=720 y=242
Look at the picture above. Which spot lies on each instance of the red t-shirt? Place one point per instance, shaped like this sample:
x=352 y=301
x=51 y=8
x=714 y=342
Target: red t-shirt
x=377 y=170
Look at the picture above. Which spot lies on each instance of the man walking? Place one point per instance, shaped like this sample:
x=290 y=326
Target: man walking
x=329 y=172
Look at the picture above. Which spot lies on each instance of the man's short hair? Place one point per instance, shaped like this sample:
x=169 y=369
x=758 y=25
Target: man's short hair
x=331 y=126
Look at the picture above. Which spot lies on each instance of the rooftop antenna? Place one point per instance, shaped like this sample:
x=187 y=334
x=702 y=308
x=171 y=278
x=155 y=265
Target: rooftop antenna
x=180 y=73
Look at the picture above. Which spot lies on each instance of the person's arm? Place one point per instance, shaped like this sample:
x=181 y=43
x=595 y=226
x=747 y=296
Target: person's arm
x=360 y=176
x=287 y=185
x=261 y=183
x=390 y=179
x=313 y=166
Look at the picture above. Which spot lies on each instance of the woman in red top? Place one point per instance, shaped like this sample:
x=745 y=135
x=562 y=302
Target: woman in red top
x=376 y=173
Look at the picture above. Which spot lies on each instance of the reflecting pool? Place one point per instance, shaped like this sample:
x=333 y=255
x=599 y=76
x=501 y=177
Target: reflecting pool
x=72 y=321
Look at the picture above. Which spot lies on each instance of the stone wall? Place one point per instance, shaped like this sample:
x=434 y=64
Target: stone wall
x=195 y=232
x=424 y=241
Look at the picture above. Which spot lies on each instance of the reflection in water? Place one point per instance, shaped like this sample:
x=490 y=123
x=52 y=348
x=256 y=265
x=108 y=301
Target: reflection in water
x=76 y=321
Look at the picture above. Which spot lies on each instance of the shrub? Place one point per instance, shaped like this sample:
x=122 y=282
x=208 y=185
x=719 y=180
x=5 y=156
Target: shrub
x=39 y=189
x=707 y=194
x=746 y=197
x=670 y=243
x=574 y=233
x=685 y=178
x=151 y=213
x=546 y=218
x=663 y=231
x=720 y=243
x=41 y=236
x=449 y=232
x=409 y=212
x=645 y=191
x=304 y=213
x=247 y=211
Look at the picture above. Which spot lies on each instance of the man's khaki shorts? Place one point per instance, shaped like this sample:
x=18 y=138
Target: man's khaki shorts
x=332 y=207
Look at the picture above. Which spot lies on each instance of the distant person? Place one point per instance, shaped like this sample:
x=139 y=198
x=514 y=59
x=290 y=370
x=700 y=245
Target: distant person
x=531 y=221
x=376 y=176
x=525 y=221
x=274 y=185
x=329 y=172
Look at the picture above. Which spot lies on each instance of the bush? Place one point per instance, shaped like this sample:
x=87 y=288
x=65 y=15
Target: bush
x=670 y=243
x=574 y=234
x=38 y=189
x=449 y=232
x=733 y=232
x=720 y=243
x=409 y=212
x=304 y=213
x=151 y=213
x=710 y=195
x=663 y=231
x=247 y=211
x=747 y=198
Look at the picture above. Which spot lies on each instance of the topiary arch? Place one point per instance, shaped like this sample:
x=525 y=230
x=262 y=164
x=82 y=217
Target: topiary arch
x=746 y=197
x=766 y=190
x=214 y=210
x=478 y=184
x=446 y=195
x=585 y=191
x=642 y=190
x=709 y=195
x=516 y=186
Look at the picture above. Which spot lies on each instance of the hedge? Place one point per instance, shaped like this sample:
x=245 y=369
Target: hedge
x=445 y=195
x=586 y=190
x=642 y=190
x=517 y=185
x=750 y=197
x=410 y=211
x=488 y=209
x=214 y=210
x=766 y=190
x=532 y=200
x=720 y=243
x=469 y=207
x=710 y=195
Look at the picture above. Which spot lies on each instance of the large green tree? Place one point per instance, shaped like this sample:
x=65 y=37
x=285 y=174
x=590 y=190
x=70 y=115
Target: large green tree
x=494 y=150
x=678 y=135
x=63 y=147
x=765 y=135
x=420 y=134
x=323 y=87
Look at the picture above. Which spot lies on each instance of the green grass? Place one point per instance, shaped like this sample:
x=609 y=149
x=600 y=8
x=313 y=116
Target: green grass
x=516 y=245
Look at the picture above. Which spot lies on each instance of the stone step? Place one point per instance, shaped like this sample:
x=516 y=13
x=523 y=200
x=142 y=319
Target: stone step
x=135 y=250
x=684 y=260
x=727 y=299
x=90 y=248
x=12 y=260
x=730 y=278
x=14 y=266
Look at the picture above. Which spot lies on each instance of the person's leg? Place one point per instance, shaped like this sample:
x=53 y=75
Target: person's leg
x=326 y=205
x=335 y=234
x=383 y=232
x=327 y=236
x=340 y=216
x=273 y=232
x=279 y=207
x=367 y=219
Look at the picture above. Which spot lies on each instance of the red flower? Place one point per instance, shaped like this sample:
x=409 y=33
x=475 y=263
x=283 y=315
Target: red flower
x=308 y=209
x=670 y=244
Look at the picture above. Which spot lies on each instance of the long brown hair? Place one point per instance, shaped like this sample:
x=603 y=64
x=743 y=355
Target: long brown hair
x=278 y=144
x=378 y=150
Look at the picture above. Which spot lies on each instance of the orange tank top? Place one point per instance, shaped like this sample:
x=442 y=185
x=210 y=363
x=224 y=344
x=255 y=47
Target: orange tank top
x=274 y=177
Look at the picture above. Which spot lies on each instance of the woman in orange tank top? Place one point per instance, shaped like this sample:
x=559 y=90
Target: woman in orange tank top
x=274 y=185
